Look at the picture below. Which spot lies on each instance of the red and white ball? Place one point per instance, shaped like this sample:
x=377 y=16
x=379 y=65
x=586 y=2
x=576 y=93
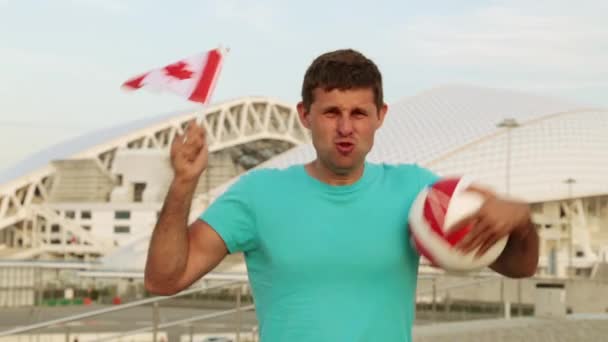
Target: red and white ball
x=432 y=217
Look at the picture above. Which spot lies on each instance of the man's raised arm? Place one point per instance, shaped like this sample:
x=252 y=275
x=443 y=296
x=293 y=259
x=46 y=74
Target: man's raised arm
x=179 y=254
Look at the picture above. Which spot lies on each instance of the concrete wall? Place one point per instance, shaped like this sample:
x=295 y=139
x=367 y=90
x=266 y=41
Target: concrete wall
x=103 y=221
x=17 y=286
x=582 y=295
x=515 y=330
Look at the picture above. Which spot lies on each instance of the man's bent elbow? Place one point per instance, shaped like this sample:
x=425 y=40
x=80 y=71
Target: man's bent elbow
x=526 y=271
x=160 y=288
x=530 y=271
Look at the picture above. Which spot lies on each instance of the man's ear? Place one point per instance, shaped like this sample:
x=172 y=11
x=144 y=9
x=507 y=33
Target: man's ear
x=382 y=114
x=303 y=115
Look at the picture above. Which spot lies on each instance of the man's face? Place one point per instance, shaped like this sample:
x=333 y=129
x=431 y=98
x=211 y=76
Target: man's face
x=342 y=124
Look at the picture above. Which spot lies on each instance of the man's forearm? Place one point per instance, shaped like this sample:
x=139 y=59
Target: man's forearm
x=520 y=256
x=168 y=252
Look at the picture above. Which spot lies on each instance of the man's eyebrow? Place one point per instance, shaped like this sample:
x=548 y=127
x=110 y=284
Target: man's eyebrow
x=330 y=107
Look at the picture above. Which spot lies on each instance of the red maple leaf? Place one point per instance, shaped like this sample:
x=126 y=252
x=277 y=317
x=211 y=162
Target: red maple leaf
x=178 y=70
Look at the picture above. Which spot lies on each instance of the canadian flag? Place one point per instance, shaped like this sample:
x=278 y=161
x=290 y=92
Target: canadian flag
x=192 y=78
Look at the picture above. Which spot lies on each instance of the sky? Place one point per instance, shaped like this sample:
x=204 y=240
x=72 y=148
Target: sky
x=62 y=62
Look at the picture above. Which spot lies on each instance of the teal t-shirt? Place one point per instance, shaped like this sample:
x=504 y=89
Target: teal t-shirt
x=326 y=263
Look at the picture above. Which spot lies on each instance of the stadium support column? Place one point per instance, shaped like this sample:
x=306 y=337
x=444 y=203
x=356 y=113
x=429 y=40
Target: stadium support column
x=570 y=182
x=509 y=124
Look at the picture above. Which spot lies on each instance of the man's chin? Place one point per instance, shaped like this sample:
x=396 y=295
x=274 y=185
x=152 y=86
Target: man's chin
x=342 y=166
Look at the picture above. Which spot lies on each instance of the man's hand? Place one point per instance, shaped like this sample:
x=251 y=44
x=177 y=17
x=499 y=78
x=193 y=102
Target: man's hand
x=189 y=153
x=496 y=219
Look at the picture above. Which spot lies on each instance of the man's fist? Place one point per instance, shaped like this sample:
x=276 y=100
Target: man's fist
x=496 y=219
x=189 y=153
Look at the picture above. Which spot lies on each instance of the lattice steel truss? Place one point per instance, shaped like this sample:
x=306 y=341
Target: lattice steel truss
x=229 y=124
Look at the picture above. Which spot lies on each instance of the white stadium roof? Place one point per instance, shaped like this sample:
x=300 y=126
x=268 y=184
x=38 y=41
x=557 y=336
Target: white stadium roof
x=92 y=144
x=423 y=127
x=454 y=130
x=78 y=144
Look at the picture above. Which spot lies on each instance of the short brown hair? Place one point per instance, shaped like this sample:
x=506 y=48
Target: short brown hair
x=342 y=69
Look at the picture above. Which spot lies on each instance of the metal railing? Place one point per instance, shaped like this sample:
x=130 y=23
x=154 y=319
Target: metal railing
x=226 y=281
x=435 y=291
x=154 y=300
x=183 y=321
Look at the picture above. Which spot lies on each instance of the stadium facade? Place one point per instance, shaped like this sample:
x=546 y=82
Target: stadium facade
x=98 y=196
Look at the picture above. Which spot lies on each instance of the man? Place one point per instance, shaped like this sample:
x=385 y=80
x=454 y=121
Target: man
x=326 y=243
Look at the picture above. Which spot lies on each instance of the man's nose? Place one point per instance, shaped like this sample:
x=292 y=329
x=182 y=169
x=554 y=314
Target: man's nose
x=345 y=126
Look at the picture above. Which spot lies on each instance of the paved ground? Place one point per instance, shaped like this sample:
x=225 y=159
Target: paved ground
x=577 y=328
x=574 y=328
x=130 y=319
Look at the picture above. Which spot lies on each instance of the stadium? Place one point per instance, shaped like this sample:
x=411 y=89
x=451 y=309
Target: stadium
x=98 y=196
x=91 y=203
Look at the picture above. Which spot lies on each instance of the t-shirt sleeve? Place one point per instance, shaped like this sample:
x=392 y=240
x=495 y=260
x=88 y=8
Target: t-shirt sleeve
x=232 y=216
x=426 y=177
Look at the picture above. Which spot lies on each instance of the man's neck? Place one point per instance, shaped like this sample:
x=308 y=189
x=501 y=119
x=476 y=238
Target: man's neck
x=319 y=171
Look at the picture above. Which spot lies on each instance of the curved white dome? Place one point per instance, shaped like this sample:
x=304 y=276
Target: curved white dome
x=544 y=153
x=454 y=130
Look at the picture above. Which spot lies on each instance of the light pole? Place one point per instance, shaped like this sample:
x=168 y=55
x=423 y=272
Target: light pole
x=509 y=124
x=570 y=182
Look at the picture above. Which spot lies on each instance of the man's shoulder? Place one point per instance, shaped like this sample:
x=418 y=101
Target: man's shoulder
x=272 y=172
x=411 y=173
x=401 y=169
x=256 y=181
x=268 y=177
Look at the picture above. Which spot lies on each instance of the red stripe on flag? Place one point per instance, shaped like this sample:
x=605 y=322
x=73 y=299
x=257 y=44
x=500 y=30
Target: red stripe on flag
x=205 y=83
x=134 y=83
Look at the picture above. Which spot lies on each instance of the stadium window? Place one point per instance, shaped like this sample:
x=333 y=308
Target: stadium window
x=536 y=208
x=55 y=228
x=122 y=229
x=86 y=227
x=138 y=191
x=122 y=215
x=70 y=214
x=592 y=206
x=85 y=214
